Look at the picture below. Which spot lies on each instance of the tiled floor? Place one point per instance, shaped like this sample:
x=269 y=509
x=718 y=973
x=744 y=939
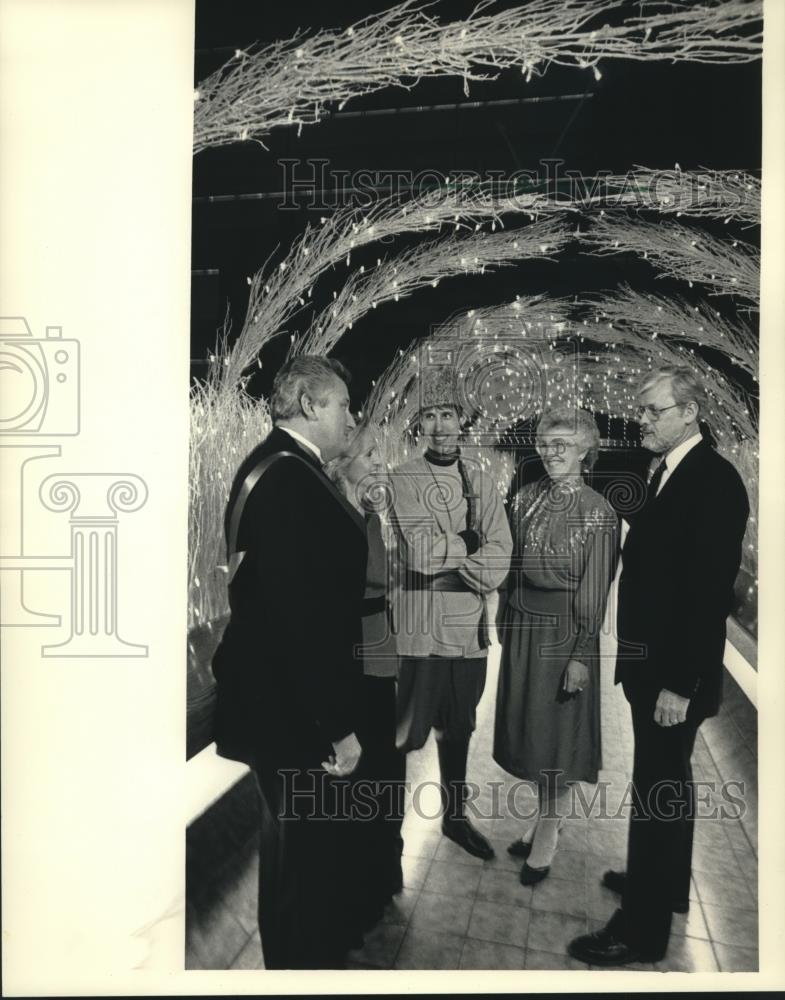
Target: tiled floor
x=457 y=912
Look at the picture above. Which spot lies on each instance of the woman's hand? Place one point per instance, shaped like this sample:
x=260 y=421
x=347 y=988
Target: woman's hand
x=576 y=676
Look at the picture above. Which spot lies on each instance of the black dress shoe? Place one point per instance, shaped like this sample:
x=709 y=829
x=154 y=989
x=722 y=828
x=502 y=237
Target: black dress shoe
x=615 y=881
x=531 y=876
x=519 y=850
x=604 y=948
x=461 y=832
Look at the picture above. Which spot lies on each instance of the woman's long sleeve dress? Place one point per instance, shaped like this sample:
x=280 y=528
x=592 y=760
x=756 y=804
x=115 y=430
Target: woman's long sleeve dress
x=566 y=542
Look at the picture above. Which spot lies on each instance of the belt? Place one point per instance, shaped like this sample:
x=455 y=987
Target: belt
x=539 y=601
x=450 y=581
x=373 y=605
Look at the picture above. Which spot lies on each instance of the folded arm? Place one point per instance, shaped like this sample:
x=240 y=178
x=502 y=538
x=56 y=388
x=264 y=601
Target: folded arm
x=485 y=569
x=422 y=545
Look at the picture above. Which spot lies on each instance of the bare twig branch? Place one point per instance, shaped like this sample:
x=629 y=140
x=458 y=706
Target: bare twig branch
x=653 y=318
x=279 y=292
x=681 y=252
x=717 y=194
x=291 y=82
x=423 y=265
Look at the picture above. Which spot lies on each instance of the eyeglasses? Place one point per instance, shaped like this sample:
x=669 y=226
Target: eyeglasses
x=653 y=412
x=557 y=445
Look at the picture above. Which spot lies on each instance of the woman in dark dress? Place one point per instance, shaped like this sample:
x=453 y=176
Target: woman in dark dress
x=379 y=778
x=548 y=704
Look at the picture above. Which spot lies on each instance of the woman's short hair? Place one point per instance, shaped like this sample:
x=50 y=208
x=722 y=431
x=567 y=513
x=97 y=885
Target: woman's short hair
x=308 y=375
x=684 y=383
x=581 y=422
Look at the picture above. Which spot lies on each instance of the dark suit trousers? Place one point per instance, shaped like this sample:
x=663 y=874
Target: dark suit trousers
x=659 y=851
x=379 y=784
x=306 y=911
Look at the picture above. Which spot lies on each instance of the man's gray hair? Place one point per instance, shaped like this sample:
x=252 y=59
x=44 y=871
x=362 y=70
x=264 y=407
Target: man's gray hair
x=684 y=383
x=577 y=420
x=308 y=375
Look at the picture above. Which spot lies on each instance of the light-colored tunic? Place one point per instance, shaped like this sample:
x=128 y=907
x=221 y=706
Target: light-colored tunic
x=428 y=511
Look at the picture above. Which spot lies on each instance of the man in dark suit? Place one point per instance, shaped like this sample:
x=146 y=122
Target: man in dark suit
x=287 y=679
x=679 y=563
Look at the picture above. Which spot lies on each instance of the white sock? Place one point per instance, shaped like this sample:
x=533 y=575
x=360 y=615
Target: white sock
x=544 y=844
x=546 y=835
x=528 y=834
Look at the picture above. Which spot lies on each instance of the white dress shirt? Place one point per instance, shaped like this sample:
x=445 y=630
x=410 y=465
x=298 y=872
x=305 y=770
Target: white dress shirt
x=673 y=458
x=304 y=442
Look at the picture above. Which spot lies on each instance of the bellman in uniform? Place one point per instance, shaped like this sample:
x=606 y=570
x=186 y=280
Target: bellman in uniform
x=454 y=548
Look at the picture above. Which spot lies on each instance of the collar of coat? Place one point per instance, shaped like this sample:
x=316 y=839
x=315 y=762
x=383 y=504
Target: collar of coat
x=436 y=458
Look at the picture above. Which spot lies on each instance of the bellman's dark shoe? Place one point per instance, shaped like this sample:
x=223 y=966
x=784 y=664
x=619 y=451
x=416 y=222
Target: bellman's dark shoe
x=604 y=948
x=518 y=849
x=615 y=881
x=461 y=832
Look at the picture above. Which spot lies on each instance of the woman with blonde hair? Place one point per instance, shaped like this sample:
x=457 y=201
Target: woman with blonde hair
x=359 y=475
x=548 y=704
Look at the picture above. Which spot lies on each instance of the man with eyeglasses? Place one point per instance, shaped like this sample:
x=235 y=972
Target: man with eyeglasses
x=679 y=564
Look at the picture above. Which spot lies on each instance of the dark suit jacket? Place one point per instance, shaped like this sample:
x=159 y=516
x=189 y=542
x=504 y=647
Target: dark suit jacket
x=287 y=681
x=679 y=564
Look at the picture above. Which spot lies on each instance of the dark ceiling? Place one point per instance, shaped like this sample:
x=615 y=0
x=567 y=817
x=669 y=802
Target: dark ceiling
x=652 y=114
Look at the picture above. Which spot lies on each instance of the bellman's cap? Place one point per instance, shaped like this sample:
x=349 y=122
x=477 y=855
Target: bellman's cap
x=438 y=387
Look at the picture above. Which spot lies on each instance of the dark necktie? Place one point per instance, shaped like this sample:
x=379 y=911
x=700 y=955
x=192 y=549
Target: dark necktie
x=654 y=483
